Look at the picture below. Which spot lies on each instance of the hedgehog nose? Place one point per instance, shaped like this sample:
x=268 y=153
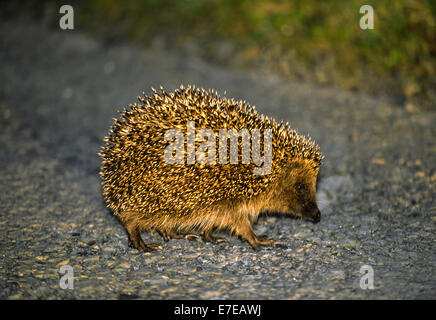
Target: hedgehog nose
x=317 y=217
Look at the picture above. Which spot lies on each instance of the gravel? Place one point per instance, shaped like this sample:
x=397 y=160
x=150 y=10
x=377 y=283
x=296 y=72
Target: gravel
x=59 y=93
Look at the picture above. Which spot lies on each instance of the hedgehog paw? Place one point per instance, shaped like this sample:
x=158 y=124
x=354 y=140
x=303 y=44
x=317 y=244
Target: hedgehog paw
x=257 y=242
x=191 y=237
x=139 y=245
x=167 y=235
x=144 y=247
x=151 y=247
x=265 y=241
x=208 y=237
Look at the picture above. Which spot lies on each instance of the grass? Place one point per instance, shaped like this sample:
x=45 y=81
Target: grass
x=309 y=39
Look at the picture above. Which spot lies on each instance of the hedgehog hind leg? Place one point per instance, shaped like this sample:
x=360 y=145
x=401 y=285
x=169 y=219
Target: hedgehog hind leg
x=207 y=236
x=134 y=233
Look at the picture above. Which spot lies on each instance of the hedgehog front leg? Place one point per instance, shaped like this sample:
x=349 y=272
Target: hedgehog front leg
x=133 y=230
x=245 y=231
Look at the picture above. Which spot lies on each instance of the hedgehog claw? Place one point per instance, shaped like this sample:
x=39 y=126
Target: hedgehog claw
x=208 y=237
x=259 y=241
x=265 y=241
x=172 y=235
x=143 y=247
x=191 y=237
x=151 y=247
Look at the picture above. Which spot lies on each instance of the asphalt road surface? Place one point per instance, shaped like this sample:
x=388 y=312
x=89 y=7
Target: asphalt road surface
x=59 y=92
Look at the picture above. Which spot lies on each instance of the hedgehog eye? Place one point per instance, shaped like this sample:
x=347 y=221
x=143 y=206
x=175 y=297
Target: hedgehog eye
x=300 y=188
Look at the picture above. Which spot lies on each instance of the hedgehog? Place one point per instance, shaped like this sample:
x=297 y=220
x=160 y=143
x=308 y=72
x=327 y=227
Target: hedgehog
x=168 y=165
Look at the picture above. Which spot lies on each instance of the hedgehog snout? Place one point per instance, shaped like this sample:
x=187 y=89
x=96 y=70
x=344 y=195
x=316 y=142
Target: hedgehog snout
x=313 y=214
x=317 y=217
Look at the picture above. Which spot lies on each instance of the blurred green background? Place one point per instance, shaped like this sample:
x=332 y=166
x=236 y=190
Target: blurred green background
x=310 y=40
